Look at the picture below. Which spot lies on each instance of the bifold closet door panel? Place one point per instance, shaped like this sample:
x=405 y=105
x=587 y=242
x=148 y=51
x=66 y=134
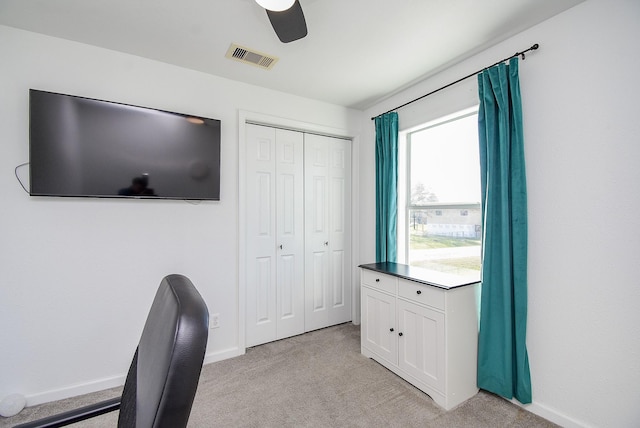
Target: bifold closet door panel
x=289 y=233
x=260 y=234
x=327 y=231
x=340 y=230
x=274 y=234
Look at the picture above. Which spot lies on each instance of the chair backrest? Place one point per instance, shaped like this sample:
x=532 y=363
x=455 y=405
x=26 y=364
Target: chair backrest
x=163 y=377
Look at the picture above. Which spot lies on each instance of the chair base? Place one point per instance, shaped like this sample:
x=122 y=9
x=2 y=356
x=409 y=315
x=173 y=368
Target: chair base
x=76 y=415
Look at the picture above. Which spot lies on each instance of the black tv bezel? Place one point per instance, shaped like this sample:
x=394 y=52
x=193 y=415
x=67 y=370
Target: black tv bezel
x=127 y=197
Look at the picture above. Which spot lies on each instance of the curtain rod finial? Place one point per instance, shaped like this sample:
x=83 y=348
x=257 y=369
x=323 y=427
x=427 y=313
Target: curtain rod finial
x=532 y=48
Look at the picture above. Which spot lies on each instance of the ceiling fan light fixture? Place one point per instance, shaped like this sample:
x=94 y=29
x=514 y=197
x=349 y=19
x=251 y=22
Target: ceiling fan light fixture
x=276 y=5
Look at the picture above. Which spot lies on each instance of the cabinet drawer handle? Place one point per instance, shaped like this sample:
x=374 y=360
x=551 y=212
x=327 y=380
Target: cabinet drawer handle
x=400 y=334
x=377 y=279
x=419 y=292
x=391 y=329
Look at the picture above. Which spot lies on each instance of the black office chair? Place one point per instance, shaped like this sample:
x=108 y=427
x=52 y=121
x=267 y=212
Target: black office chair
x=163 y=377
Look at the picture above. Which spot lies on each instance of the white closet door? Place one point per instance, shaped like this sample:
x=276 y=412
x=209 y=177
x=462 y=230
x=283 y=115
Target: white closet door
x=275 y=234
x=327 y=225
x=339 y=231
x=289 y=233
x=261 y=234
x=316 y=167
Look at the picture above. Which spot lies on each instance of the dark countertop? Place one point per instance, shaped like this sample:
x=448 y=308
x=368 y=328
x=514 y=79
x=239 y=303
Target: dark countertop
x=421 y=275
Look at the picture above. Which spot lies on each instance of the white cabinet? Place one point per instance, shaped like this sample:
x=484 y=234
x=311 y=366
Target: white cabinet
x=327 y=180
x=426 y=334
x=275 y=234
x=297 y=250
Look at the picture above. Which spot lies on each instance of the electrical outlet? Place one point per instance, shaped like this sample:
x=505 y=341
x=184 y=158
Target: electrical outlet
x=214 y=321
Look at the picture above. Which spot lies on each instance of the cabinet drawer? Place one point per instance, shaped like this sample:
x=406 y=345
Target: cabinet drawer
x=378 y=280
x=423 y=294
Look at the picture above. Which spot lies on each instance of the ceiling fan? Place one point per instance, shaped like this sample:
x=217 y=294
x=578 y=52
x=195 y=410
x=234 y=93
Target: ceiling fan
x=286 y=19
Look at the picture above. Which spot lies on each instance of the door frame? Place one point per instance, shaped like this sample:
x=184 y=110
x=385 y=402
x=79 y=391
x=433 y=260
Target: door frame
x=244 y=117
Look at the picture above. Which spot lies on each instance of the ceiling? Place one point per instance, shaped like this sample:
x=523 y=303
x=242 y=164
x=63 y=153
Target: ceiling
x=357 y=52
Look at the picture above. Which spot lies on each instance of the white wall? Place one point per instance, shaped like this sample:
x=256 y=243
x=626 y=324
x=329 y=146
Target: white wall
x=79 y=275
x=582 y=135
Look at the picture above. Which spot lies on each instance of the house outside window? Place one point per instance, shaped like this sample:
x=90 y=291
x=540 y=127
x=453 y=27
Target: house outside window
x=439 y=225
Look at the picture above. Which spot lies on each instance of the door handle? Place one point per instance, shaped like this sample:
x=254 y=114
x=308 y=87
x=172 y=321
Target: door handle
x=281 y=246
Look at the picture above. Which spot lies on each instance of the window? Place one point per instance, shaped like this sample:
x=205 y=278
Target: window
x=439 y=196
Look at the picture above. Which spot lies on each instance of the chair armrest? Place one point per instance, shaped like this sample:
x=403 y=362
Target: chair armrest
x=75 y=415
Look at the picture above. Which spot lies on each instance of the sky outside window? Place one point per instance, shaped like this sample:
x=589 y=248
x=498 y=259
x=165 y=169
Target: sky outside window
x=445 y=159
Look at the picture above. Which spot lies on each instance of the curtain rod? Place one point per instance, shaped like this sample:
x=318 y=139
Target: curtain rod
x=532 y=48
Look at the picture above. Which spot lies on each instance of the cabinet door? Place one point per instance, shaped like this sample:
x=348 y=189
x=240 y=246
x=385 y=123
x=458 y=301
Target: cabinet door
x=261 y=234
x=289 y=233
x=328 y=231
x=378 y=324
x=421 y=346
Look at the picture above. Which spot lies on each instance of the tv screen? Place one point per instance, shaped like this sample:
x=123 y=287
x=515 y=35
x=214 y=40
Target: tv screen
x=85 y=147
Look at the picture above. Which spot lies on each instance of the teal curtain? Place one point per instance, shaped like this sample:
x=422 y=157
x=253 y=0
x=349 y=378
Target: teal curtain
x=386 y=186
x=503 y=364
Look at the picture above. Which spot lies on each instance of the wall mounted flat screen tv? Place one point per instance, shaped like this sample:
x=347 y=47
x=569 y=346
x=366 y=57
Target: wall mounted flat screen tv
x=85 y=147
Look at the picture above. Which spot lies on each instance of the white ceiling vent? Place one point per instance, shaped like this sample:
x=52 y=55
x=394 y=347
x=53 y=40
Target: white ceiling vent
x=250 y=56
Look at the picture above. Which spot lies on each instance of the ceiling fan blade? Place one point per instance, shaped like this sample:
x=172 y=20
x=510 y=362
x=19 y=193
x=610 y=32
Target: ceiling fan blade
x=289 y=24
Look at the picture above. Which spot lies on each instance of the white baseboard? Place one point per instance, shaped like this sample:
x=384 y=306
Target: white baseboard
x=213 y=357
x=74 y=390
x=551 y=415
x=112 y=382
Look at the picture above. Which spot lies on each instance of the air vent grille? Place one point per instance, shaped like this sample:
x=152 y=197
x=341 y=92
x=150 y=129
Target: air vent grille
x=251 y=56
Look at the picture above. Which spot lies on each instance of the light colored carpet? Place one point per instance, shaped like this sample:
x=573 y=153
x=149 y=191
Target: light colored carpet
x=318 y=379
